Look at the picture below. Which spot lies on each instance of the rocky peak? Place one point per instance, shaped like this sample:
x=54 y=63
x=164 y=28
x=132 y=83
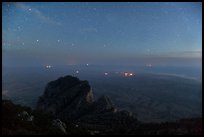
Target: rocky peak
x=105 y=100
x=66 y=95
x=69 y=98
x=103 y=104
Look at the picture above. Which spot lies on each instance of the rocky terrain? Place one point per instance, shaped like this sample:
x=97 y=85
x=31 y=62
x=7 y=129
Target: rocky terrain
x=68 y=107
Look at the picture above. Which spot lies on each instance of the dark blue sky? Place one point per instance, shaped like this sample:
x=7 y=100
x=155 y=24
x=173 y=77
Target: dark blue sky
x=100 y=33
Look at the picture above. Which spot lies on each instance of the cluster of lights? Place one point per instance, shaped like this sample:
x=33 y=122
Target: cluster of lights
x=48 y=66
x=128 y=74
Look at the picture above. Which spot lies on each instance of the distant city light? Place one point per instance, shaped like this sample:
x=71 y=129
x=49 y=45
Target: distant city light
x=148 y=65
x=77 y=71
x=48 y=66
x=106 y=73
x=128 y=74
x=87 y=64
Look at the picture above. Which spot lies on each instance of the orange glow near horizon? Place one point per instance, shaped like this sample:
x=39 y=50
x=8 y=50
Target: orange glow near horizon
x=128 y=74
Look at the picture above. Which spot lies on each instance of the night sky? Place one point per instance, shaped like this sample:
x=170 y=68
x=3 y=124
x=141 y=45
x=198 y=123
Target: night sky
x=100 y=33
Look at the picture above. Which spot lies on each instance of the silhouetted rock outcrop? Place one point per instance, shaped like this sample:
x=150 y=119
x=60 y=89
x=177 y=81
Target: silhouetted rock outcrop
x=60 y=125
x=21 y=120
x=68 y=98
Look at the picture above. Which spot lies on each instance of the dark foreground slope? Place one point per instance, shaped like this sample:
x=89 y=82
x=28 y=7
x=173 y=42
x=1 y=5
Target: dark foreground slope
x=68 y=107
x=17 y=120
x=21 y=120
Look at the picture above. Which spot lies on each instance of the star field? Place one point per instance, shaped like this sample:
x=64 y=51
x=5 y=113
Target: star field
x=83 y=33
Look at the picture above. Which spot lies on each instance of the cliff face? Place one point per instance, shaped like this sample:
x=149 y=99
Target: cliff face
x=66 y=96
x=71 y=99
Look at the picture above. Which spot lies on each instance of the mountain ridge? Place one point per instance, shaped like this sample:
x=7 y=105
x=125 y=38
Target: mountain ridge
x=68 y=107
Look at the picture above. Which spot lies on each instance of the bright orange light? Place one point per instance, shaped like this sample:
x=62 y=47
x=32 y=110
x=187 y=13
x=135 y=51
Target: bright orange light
x=128 y=74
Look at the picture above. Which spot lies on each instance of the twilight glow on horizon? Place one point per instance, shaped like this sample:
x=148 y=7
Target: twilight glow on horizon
x=100 y=33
